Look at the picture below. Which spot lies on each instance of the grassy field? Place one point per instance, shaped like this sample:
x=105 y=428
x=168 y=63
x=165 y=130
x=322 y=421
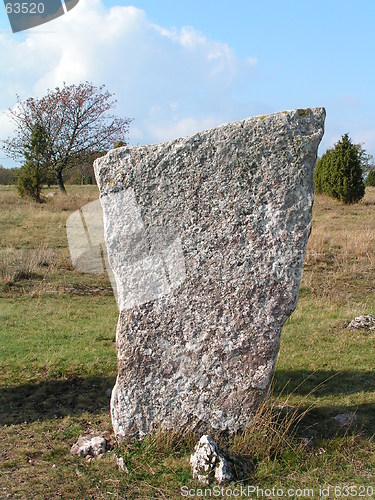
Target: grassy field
x=57 y=360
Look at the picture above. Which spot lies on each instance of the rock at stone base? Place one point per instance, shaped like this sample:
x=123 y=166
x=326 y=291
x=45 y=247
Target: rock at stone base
x=121 y=464
x=206 y=238
x=89 y=446
x=210 y=463
x=367 y=322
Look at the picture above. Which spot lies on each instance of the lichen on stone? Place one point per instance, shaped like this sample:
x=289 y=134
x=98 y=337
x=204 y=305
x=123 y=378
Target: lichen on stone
x=303 y=112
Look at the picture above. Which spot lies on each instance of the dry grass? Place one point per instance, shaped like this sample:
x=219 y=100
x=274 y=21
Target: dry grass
x=34 y=254
x=14 y=261
x=350 y=241
x=271 y=432
x=26 y=224
x=53 y=199
x=72 y=200
x=32 y=270
x=345 y=247
x=340 y=255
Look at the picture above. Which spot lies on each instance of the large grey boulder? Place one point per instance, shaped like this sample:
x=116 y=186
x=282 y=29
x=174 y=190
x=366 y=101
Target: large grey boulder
x=206 y=238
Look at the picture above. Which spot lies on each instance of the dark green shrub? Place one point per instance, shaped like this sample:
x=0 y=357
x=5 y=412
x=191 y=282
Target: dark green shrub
x=29 y=183
x=338 y=172
x=35 y=171
x=321 y=172
x=370 y=181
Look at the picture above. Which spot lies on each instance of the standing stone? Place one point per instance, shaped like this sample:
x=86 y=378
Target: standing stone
x=206 y=238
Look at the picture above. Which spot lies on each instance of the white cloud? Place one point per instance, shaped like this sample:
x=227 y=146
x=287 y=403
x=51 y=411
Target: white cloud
x=252 y=61
x=7 y=126
x=173 y=82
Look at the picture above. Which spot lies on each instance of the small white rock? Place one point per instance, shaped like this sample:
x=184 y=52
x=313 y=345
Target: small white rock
x=366 y=321
x=121 y=464
x=345 y=419
x=91 y=446
x=210 y=463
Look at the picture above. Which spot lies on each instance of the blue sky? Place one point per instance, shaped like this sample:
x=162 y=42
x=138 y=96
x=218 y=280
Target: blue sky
x=180 y=67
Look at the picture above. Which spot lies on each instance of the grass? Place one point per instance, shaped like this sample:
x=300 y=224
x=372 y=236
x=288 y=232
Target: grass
x=57 y=360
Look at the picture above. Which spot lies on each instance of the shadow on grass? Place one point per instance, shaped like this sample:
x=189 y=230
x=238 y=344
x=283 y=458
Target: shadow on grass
x=326 y=383
x=323 y=382
x=320 y=421
x=59 y=398
x=54 y=399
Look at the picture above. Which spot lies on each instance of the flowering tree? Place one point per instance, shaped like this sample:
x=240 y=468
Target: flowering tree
x=77 y=121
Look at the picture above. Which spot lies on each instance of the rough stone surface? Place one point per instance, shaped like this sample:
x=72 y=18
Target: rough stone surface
x=89 y=446
x=209 y=463
x=366 y=322
x=206 y=238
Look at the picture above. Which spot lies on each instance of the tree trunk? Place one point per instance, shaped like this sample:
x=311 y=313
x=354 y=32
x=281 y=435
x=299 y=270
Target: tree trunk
x=60 y=181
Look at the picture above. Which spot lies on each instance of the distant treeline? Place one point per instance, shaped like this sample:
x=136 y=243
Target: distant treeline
x=77 y=174
x=8 y=175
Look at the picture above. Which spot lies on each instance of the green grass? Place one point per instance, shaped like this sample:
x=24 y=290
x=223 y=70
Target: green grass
x=66 y=340
x=57 y=360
